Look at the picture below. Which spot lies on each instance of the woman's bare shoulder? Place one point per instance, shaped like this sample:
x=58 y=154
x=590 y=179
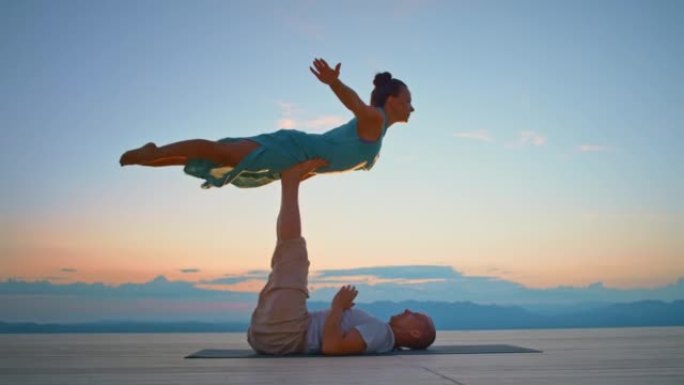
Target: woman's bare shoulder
x=369 y=124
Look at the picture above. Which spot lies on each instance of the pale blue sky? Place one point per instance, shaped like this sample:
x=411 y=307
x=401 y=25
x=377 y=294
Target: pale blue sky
x=545 y=147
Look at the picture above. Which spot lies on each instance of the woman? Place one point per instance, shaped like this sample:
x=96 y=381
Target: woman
x=258 y=160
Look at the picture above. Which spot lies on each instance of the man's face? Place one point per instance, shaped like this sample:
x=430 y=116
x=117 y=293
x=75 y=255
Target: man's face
x=408 y=320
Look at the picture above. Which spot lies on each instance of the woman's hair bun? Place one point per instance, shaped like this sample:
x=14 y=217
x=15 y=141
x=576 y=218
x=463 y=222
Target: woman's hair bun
x=382 y=79
x=385 y=86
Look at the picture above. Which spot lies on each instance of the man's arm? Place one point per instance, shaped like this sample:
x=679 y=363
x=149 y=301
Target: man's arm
x=289 y=224
x=335 y=341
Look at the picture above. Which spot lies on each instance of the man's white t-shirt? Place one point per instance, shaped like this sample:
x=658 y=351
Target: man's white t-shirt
x=376 y=334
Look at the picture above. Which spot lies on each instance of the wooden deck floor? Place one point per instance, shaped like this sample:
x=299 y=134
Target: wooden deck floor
x=596 y=356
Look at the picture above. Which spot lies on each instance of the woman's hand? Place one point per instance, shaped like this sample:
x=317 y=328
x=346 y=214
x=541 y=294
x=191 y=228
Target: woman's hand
x=323 y=71
x=344 y=299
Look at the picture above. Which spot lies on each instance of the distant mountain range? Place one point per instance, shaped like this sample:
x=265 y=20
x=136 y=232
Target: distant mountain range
x=447 y=316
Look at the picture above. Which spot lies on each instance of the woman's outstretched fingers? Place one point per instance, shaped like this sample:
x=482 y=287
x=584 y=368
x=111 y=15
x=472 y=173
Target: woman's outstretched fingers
x=323 y=71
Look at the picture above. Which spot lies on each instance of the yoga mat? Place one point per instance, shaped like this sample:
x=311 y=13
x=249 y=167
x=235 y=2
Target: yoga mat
x=438 y=349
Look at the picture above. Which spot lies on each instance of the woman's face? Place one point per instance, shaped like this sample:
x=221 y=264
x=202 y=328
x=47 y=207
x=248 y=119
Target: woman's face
x=400 y=105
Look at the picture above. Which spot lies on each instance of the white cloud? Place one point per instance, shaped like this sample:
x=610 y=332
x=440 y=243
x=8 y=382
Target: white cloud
x=234 y=296
x=324 y=123
x=482 y=135
x=529 y=138
x=286 y=123
x=593 y=148
x=287 y=111
x=291 y=118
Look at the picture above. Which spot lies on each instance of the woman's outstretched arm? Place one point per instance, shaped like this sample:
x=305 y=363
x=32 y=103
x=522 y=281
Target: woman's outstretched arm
x=369 y=118
x=331 y=77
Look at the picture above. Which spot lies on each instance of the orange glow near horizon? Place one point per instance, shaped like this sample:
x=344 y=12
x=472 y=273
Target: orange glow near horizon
x=619 y=251
x=64 y=266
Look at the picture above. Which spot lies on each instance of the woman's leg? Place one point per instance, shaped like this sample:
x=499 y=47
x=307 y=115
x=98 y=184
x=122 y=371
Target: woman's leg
x=178 y=154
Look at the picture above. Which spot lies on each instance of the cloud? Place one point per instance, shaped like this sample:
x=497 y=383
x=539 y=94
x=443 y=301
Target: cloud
x=529 y=138
x=160 y=287
x=380 y=277
x=160 y=297
x=324 y=123
x=402 y=272
x=482 y=135
x=68 y=270
x=287 y=111
x=189 y=271
x=286 y=123
x=593 y=148
x=235 y=279
x=291 y=117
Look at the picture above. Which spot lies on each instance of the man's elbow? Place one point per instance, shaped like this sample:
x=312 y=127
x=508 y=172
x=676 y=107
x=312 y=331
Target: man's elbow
x=336 y=349
x=330 y=349
x=340 y=350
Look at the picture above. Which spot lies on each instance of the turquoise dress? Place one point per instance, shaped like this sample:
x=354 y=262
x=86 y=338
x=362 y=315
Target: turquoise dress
x=341 y=147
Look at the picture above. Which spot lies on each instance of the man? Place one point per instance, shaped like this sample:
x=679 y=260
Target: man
x=281 y=323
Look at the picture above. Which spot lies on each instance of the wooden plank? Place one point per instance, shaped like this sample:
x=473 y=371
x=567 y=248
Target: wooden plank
x=609 y=356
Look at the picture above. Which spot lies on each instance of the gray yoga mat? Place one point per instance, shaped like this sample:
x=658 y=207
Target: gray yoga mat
x=438 y=349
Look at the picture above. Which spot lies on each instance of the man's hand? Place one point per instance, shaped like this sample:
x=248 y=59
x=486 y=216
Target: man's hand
x=323 y=71
x=335 y=341
x=344 y=299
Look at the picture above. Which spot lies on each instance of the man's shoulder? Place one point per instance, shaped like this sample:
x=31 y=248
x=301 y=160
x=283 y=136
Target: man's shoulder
x=377 y=335
x=361 y=320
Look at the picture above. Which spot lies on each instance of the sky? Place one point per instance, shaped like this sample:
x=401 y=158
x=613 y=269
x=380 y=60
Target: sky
x=545 y=148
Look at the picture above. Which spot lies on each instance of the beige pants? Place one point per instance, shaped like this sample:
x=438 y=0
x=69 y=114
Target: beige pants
x=280 y=320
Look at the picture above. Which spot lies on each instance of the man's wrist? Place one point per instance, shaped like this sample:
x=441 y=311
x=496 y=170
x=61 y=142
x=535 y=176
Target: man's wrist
x=335 y=309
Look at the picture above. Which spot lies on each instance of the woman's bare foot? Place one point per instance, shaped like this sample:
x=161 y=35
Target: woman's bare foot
x=303 y=170
x=140 y=155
